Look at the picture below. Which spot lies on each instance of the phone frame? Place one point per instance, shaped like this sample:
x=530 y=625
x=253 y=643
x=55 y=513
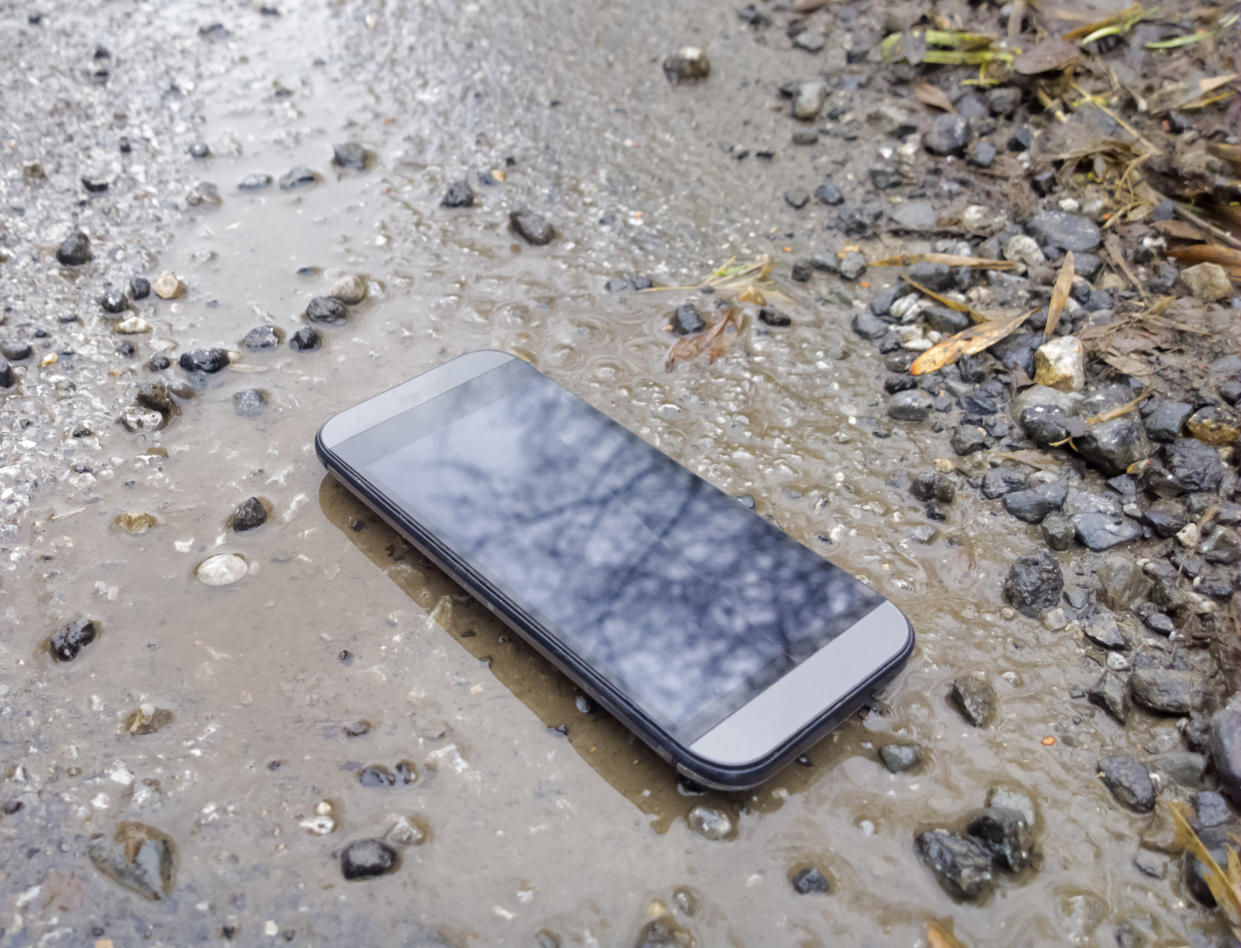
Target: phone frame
x=740 y=751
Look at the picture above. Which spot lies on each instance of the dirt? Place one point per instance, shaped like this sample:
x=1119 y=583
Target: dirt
x=540 y=813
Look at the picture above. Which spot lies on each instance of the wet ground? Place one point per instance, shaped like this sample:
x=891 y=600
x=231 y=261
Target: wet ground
x=539 y=813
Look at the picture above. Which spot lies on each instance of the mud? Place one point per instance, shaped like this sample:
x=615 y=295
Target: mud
x=541 y=813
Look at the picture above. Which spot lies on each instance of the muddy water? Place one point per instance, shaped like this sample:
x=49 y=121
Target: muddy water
x=542 y=813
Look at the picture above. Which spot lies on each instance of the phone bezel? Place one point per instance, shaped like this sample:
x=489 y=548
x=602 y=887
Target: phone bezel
x=738 y=752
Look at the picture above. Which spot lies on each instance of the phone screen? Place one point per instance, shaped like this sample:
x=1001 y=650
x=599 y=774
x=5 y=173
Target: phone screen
x=683 y=599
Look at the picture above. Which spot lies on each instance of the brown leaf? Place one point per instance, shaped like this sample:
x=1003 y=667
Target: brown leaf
x=1128 y=365
x=938 y=936
x=943 y=300
x=949 y=259
x=1036 y=459
x=1051 y=55
x=715 y=339
x=1059 y=294
x=966 y=342
x=933 y=96
x=1208 y=253
x=1179 y=230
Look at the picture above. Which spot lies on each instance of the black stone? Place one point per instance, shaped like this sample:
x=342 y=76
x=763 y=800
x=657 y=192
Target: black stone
x=900 y=757
x=1021 y=140
x=883 y=300
x=810 y=881
x=1035 y=503
x=1065 y=231
x=1165 y=420
x=74 y=250
x=249 y=515
x=459 y=194
x=1216 y=840
x=1166 y=516
x=796 y=199
x=1058 y=532
x=1003 y=101
x=935 y=276
x=1034 y=584
x=250 y=402
x=262 y=337
x=913 y=405
x=531 y=227
x=945 y=320
x=296 y=177
x=366 y=858
x=686 y=319
x=350 y=155
x=139 y=288
x=114 y=301
x=869 y=326
x=1103 y=630
x=966 y=439
x=1114 y=445
x=852 y=265
x=1099 y=531
x=199 y=150
x=1193 y=466
x=962 y=865
x=1005 y=834
x=1129 y=781
x=203 y=360
x=70 y=639
x=1003 y=480
x=7 y=376
x=828 y=193
x=774 y=317
x=948 y=135
x=975 y=699
x=326 y=309
x=1224 y=748
x=1167 y=691
x=306 y=339
x=802 y=271
x=16 y=350
x=1110 y=694
x=1049 y=424
x=934 y=485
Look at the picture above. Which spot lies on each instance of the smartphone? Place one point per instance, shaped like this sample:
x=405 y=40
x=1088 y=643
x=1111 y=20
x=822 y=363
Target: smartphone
x=720 y=641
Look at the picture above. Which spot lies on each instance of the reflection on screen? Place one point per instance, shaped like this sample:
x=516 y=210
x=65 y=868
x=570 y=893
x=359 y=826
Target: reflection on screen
x=671 y=589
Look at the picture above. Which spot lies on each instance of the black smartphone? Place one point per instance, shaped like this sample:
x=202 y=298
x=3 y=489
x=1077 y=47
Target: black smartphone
x=723 y=643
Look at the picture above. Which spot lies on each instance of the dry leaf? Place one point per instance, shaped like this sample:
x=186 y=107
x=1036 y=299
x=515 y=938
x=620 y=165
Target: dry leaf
x=938 y=936
x=716 y=339
x=1128 y=365
x=1051 y=55
x=1059 y=294
x=966 y=342
x=1208 y=253
x=943 y=300
x=1179 y=230
x=933 y=96
x=1036 y=459
x=949 y=259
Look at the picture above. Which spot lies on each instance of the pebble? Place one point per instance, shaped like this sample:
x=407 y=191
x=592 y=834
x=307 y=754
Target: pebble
x=966 y=439
x=297 y=177
x=688 y=64
x=962 y=865
x=1129 y=781
x=1006 y=834
x=168 y=286
x=1167 y=691
x=250 y=402
x=459 y=194
x=934 y=485
x=138 y=856
x=139 y=288
x=981 y=154
x=262 y=337
x=1165 y=420
x=975 y=699
x=709 y=822
x=407 y=831
x=1193 y=466
x=1104 y=631
x=132 y=326
x=204 y=192
x=912 y=405
x=1115 y=445
x=900 y=757
x=1207 y=281
x=829 y=194
x=808 y=100
x=249 y=515
x=1058 y=532
x=1065 y=231
x=16 y=350
x=203 y=360
x=1215 y=426
x=1224 y=748
x=1035 y=503
x=74 y=250
x=1034 y=583
x=114 y=301
x=810 y=881
x=222 y=569
x=1098 y=532
x=686 y=319
x=948 y=134
x=367 y=858
x=198 y=150
x=531 y=227
x=350 y=155
x=1111 y=694
x=146 y=719
x=70 y=639
x=1060 y=364
x=326 y=309
x=255 y=181
x=306 y=339
x=136 y=419
x=852 y=265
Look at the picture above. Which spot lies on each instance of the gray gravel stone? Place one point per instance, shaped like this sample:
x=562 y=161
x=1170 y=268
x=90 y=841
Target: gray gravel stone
x=1129 y=781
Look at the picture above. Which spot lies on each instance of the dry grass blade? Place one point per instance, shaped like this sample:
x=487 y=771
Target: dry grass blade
x=1224 y=885
x=933 y=96
x=938 y=936
x=948 y=259
x=967 y=342
x=1036 y=459
x=1208 y=253
x=1117 y=411
x=1114 y=25
x=716 y=339
x=1059 y=294
x=944 y=300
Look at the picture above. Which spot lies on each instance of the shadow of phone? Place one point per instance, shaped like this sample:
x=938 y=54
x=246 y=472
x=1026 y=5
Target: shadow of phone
x=615 y=753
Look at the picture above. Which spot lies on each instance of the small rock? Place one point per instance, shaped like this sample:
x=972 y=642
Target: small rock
x=1216 y=840
x=146 y=719
x=911 y=405
x=1224 y=748
x=459 y=194
x=852 y=265
x=137 y=856
x=829 y=194
x=1103 y=630
x=222 y=569
x=774 y=317
x=796 y=199
x=1167 y=691
x=137 y=419
x=135 y=524
x=900 y=757
x=8 y=378
x=1182 y=767
x=16 y=350
x=203 y=360
x=250 y=402
x=1034 y=583
x=531 y=227
x=686 y=319
x=306 y=339
x=168 y=286
x=1006 y=834
x=1129 y=781
x=975 y=699
x=1215 y=426
x=1003 y=480
x=255 y=182
x=70 y=639
x=297 y=177
x=1115 y=445
x=961 y=865
x=1035 y=503
x=114 y=301
x=1097 y=531
x=132 y=326
x=74 y=250
x=966 y=439
x=1110 y=694
x=139 y=288
x=1021 y=248
x=262 y=337
x=407 y=831
x=326 y=309
x=204 y=192
x=948 y=135
x=709 y=822
x=934 y=485
x=981 y=154
x=366 y=858
x=1207 y=281
x=688 y=64
x=350 y=155
x=1058 y=532
x=664 y=932
x=1060 y=364
x=808 y=101
x=249 y=515
x=810 y=881
x=1065 y=231
x=1164 y=420
x=1193 y=466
